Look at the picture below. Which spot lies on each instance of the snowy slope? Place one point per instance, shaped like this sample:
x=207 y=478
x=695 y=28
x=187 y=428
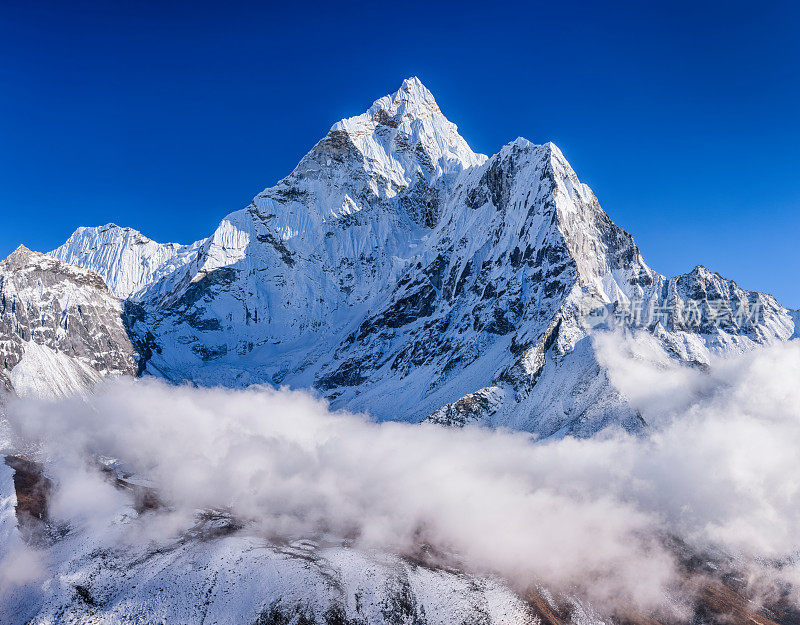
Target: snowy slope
x=245 y=580
x=398 y=272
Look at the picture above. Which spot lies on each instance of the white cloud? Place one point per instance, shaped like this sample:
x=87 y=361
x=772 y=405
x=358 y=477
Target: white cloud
x=718 y=469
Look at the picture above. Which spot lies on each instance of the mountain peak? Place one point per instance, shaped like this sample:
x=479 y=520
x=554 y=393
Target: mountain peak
x=125 y=258
x=396 y=267
x=21 y=257
x=702 y=271
x=403 y=141
x=413 y=99
x=404 y=133
x=23 y=261
x=21 y=250
x=412 y=83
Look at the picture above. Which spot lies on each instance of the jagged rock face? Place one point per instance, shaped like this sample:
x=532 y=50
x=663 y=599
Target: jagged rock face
x=398 y=272
x=703 y=301
x=60 y=328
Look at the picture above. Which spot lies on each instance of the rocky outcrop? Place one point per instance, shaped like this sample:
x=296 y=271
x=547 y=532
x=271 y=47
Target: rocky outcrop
x=60 y=328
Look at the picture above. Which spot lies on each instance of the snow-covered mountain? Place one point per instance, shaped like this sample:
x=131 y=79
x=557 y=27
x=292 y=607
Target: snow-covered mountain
x=394 y=271
x=129 y=262
x=398 y=272
x=60 y=328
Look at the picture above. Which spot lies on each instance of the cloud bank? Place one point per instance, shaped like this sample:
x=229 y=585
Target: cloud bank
x=718 y=469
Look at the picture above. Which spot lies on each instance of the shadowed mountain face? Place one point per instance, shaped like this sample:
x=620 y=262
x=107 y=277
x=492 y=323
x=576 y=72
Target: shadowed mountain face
x=397 y=272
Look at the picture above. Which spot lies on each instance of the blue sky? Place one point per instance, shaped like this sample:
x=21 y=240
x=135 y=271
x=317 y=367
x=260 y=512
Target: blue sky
x=684 y=117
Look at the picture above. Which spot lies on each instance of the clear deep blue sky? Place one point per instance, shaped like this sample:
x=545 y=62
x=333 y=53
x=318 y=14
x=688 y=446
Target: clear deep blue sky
x=683 y=117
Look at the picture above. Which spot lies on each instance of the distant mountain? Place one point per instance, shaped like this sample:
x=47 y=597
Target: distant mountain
x=397 y=271
x=129 y=262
